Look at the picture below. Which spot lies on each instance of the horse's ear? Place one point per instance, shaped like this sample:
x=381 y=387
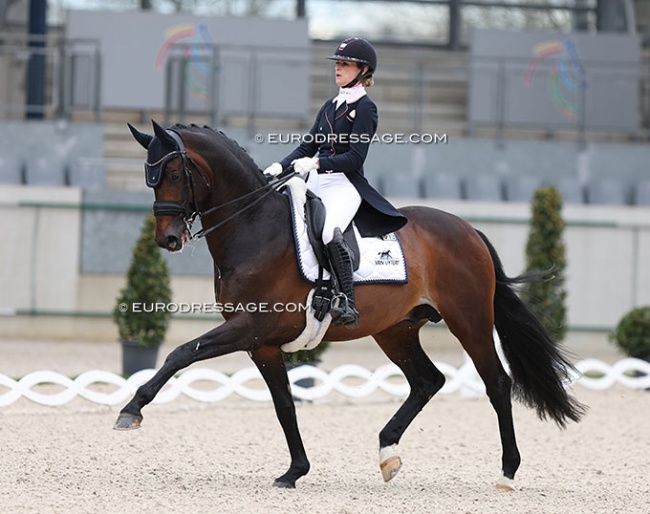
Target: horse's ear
x=140 y=137
x=163 y=135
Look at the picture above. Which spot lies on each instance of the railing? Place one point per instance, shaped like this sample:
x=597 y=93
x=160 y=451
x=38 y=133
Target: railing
x=246 y=83
x=67 y=72
x=592 y=374
x=224 y=81
x=592 y=96
x=437 y=92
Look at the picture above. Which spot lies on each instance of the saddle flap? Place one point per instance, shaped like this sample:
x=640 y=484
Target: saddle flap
x=381 y=259
x=315 y=220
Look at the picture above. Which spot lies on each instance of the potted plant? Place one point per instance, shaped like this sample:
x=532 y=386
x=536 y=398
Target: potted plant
x=141 y=312
x=632 y=334
x=546 y=253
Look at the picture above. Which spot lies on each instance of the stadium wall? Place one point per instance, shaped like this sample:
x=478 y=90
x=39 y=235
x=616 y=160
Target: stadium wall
x=45 y=292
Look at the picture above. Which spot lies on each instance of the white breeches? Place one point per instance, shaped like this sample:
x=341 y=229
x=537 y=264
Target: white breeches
x=341 y=199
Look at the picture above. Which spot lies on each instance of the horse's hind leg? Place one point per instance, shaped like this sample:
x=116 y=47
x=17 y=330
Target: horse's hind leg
x=401 y=345
x=476 y=337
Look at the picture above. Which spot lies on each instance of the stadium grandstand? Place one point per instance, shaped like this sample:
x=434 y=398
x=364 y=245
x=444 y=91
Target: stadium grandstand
x=480 y=105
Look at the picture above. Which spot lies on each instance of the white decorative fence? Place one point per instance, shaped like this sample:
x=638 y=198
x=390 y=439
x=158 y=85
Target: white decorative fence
x=106 y=388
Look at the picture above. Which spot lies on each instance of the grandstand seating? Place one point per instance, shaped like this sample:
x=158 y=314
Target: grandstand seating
x=87 y=173
x=547 y=159
x=607 y=191
x=461 y=168
x=11 y=170
x=641 y=193
x=44 y=170
x=401 y=185
x=444 y=186
x=485 y=187
x=570 y=188
x=521 y=188
x=389 y=163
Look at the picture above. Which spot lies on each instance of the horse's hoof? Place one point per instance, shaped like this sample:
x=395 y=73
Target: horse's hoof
x=505 y=484
x=389 y=462
x=390 y=468
x=126 y=421
x=284 y=485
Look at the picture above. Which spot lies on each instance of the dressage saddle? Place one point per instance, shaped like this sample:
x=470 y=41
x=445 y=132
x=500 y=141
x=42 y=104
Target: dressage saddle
x=326 y=290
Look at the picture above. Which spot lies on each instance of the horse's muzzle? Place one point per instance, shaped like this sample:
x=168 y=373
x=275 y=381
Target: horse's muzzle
x=173 y=236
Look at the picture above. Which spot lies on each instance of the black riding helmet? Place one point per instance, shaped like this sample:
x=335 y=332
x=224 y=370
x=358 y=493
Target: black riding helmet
x=356 y=49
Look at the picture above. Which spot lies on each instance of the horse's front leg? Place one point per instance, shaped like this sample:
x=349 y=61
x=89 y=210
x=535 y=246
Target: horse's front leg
x=229 y=337
x=270 y=362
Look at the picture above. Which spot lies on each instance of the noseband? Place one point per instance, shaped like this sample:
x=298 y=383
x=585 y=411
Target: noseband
x=188 y=209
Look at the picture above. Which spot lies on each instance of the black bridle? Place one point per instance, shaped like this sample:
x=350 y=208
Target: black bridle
x=188 y=209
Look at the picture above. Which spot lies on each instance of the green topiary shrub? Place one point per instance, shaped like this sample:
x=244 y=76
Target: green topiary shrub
x=632 y=334
x=545 y=252
x=147 y=284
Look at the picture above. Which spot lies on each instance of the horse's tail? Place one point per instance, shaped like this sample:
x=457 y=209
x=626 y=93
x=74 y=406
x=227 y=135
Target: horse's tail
x=538 y=364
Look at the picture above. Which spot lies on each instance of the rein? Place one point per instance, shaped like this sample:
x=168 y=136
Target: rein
x=189 y=210
x=270 y=187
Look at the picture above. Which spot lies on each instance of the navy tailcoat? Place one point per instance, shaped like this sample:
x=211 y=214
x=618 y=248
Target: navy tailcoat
x=342 y=137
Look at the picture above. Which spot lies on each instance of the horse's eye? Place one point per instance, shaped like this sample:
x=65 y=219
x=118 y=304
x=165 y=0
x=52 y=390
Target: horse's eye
x=174 y=176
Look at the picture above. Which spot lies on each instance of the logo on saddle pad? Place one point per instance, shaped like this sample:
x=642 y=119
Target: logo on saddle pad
x=384 y=258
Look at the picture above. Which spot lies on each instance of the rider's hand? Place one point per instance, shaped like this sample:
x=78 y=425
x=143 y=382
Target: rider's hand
x=273 y=170
x=304 y=165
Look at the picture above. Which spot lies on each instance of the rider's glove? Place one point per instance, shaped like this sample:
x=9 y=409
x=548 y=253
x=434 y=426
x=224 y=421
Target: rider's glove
x=304 y=165
x=273 y=170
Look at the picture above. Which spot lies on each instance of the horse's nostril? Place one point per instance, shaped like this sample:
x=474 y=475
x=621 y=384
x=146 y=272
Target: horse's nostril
x=173 y=243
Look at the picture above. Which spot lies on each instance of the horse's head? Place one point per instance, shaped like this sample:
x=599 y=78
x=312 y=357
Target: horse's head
x=183 y=165
x=168 y=174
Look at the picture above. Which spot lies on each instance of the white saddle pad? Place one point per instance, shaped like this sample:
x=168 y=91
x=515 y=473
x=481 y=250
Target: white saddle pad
x=382 y=258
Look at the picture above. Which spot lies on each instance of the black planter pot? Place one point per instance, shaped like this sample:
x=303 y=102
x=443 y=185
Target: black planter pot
x=136 y=358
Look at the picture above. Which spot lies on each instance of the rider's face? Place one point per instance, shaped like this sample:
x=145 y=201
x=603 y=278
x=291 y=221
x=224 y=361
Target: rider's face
x=345 y=72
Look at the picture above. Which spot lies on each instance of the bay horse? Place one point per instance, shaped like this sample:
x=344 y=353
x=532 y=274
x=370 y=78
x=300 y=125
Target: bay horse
x=454 y=274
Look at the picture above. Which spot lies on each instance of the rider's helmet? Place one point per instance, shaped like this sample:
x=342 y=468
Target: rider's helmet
x=356 y=49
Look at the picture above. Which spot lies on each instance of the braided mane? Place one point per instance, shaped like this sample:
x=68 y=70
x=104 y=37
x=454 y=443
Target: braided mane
x=237 y=150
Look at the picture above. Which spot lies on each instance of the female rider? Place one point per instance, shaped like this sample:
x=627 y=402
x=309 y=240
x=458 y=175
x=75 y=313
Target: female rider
x=336 y=149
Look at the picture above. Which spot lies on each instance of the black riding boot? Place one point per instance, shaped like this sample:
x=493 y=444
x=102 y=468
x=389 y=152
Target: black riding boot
x=343 y=313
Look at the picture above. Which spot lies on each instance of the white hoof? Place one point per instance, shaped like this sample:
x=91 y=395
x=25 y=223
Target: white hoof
x=505 y=484
x=389 y=462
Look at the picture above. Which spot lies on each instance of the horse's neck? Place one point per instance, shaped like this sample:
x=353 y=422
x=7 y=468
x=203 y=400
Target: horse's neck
x=255 y=235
